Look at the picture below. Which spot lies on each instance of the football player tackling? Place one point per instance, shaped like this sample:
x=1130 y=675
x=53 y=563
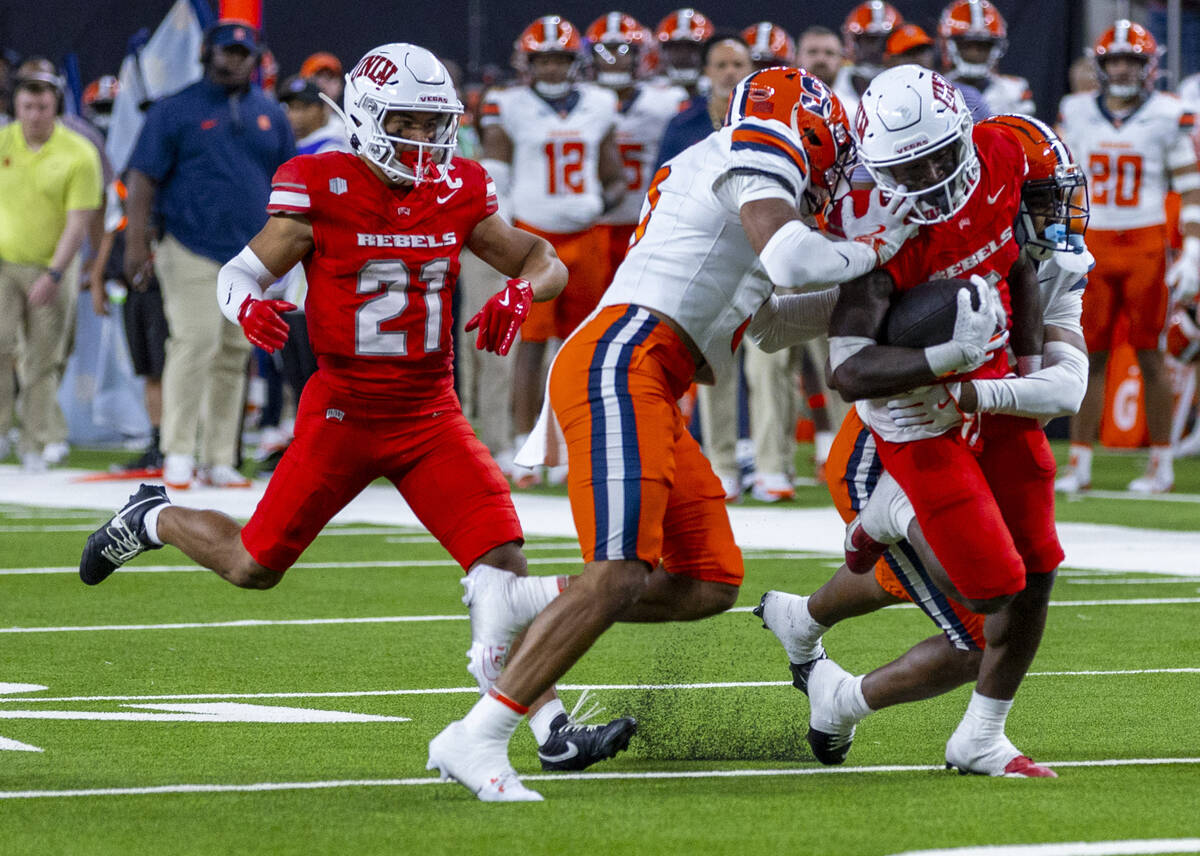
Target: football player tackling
x=379 y=232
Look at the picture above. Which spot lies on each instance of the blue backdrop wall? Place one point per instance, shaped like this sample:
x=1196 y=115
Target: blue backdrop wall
x=1043 y=36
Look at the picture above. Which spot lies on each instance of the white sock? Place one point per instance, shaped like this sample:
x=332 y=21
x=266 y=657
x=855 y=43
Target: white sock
x=492 y=719
x=801 y=632
x=985 y=717
x=848 y=700
x=1081 y=461
x=1162 y=460
x=530 y=595
x=539 y=723
x=822 y=443
x=150 y=523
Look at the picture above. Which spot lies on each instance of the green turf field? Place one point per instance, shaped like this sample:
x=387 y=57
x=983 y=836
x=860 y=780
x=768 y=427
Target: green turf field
x=370 y=628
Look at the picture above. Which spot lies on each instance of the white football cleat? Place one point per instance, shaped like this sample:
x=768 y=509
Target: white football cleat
x=498 y=612
x=830 y=733
x=772 y=487
x=480 y=767
x=998 y=757
x=1158 y=479
x=786 y=615
x=1073 y=481
x=178 y=471
x=485 y=663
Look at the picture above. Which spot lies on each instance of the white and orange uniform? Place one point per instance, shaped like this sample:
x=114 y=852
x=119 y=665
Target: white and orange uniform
x=640 y=126
x=556 y=191
x=1006 y=93
x=639 y=485
x=1129 y=162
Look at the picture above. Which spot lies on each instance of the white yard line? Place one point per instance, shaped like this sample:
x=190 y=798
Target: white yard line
x=1131 y=847
x=720 y=685
x=552 y=777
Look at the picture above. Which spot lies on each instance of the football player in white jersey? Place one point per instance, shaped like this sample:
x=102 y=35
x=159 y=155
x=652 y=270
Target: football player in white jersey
x=648 y=508
x=865 y=33
x=769 y=44
x=1052 y=219
x=974 y=37
x=1137 y=144
x=681 y=37
x=619 y=48
x=551 y=147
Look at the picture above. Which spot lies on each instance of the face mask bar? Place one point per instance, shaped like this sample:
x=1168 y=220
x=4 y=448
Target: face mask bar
x=937 y=202
x=1062 y=204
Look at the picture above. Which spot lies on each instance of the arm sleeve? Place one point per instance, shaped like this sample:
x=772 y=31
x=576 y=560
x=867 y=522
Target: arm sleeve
x=790 y=319
x=242 y=276
x=798 y=257
x=1055 y=390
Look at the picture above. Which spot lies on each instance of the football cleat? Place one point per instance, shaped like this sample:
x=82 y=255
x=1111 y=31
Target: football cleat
x=999 y=758
x=178 y=471
x=861 y=550
x=778 y=611
x=481 y=767
x=485 y=663
x=122 y=537
x=830 y=734
x=495 y=606
x=149 y=461
x=1073 y=481
x=772 y=487
x=575 y=746
x=1158 y=479
x=221 y=475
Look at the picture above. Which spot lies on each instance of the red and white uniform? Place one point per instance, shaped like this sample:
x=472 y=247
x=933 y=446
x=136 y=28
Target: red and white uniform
x=1000 y=487
x=1129 y=162
x=556 y=192
x=640 y=126
x=382 y=403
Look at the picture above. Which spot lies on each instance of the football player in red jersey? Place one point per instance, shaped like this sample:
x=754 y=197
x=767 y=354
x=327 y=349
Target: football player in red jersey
x=379 y=232
x=994 y=479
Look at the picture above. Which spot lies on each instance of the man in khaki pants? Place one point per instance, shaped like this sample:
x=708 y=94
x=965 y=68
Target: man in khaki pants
x=50 y=189
x=204 y=163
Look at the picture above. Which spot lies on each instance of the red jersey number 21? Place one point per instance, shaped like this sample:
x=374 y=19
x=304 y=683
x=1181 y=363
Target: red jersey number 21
x=388 y=281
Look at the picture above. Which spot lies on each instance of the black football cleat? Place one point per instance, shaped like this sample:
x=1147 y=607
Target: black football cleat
x=572 y=746
x=122 y=537
x=830 y=749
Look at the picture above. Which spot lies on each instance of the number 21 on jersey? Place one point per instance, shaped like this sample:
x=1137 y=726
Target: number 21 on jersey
x=387 y=282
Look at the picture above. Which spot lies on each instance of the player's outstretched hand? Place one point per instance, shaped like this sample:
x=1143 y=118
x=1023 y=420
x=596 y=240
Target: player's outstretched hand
x=262 y=324
x=979 y=330
x=1183 y=277
x=934 y=408
x=884 y=227
x=501 y=317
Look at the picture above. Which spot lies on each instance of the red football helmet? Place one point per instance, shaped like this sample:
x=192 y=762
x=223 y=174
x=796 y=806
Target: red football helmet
x=769 y=44
x=613 y=36
x=1183 y=333
x=1125 y=38
x=973 y=21
x=802 y=102
x=871 y=21
x=1055 y=189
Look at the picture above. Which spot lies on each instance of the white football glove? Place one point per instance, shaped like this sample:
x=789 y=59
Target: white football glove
x=932 y=407
x=1183 y=277
x=977 y=332
x=882 y=227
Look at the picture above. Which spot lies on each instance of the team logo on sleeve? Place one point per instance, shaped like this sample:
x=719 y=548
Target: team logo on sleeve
x=337 y=186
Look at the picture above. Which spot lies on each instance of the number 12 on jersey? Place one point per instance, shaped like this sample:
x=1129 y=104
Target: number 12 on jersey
x=564 y=167
x=388 y=282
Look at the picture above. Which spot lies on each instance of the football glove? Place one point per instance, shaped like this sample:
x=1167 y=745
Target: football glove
x=1183 y=277
x=978 y=333
x=262 y=324
x=501 y=317
x=934 y=408
x=882 y=227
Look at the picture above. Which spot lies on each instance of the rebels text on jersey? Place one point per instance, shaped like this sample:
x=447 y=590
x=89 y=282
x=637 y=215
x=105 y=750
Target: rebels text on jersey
x=977 y=240
x=382 y=271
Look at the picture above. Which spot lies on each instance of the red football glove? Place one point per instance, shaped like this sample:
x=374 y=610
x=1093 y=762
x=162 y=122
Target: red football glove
x=501 y=317
x=261 y=322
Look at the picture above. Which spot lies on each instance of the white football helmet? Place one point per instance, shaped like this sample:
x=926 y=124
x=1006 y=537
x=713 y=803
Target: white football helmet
x=914 y=132
x=401 y=77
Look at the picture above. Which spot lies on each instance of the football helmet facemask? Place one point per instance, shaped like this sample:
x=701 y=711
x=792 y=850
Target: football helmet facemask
x=1125 y=38
x=551 y=35
x=681 y=36
x=611 y=37
x=913 y=131
x=401 y=78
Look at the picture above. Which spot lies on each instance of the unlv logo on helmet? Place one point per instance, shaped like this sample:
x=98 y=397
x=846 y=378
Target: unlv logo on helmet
x=376 y=68
x=943 y=92
x=860 y=121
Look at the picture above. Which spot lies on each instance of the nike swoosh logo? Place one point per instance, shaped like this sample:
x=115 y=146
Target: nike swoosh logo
x=879 y=231
x=572 y=751
x=942 y=405
x=991 y=200
x=442 y=200
x=503 y=300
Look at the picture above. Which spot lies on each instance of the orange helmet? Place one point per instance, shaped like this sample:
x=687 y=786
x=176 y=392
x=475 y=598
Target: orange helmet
x=1055 y=188
x=769 y=43
x=101 y=92
x=550 y=34
x=802 y=102
x=1125 y=38
x=685 y=25
x=614 y=34
x=873 y=18
x=1183 y=334
x=973 y=20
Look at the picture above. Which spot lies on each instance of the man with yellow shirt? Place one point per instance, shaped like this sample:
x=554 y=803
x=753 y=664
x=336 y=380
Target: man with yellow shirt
x=50 y=187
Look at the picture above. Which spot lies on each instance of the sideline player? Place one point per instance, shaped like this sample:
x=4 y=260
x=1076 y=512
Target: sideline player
x=1051 y=224
x=974 y=37
x=641 y=491
x=1136 y=144
x=379 y=232
x=552 y=149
